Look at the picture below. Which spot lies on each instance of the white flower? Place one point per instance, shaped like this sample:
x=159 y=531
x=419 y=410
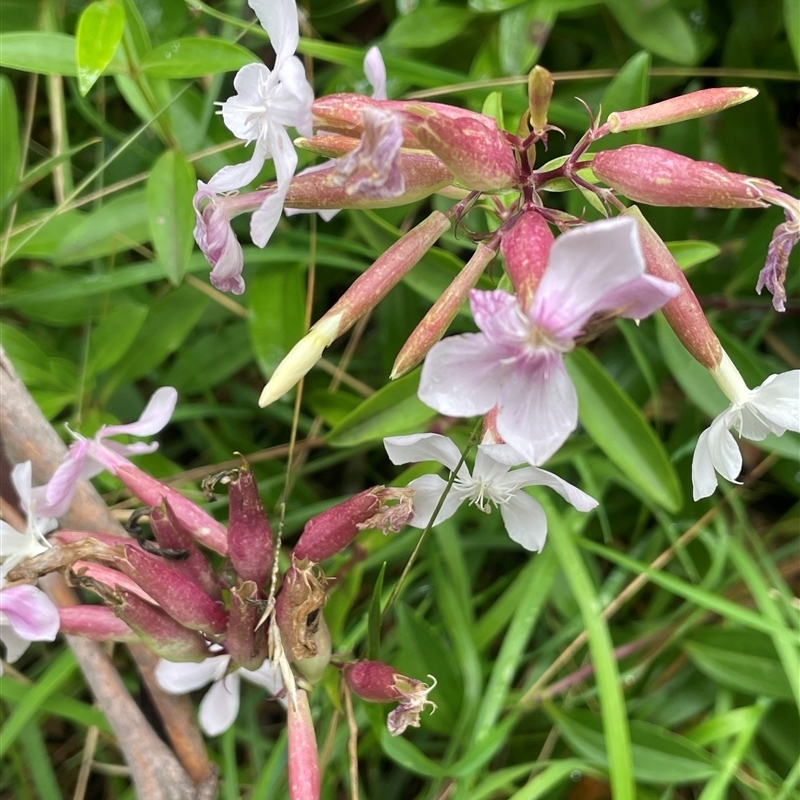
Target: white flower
x=266 y=103
x=492 y=482
x=219 y=707
x=774 y=407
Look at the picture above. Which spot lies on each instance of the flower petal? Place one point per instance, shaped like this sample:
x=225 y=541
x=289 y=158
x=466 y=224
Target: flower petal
x=428 y=490
x=218 y=709
x=778 y=402
x=30 y=613
x=704 y=477
x=525 y=521
x=463 y=375
x=265 y=219
x=375 y=71
x=54 y=498
x=291 y=98
x=279 y=19
x=725 y=454
x=533 y=476
x=15 y=644
x=538 y=410
x=155 y=416
x=183 y=677
x=21 y=478
x=422 y=447
x=498 y=315
x=267 y=676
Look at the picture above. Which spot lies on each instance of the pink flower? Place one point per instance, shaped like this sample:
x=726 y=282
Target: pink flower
x=89 y=457
x=26 y=615
x=517 y=361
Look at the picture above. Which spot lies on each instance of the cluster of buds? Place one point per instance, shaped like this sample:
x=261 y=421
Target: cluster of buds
x=566 y=289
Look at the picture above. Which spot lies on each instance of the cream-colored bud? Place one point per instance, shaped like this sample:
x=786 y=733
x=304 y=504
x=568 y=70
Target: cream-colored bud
x=730 y=380
x=300 y=359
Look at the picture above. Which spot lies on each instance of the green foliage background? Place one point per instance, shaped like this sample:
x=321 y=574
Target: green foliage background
x=105 y=299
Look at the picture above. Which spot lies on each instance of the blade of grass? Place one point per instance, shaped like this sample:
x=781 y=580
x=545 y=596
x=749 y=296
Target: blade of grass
x=612 y=701
x=38 y=760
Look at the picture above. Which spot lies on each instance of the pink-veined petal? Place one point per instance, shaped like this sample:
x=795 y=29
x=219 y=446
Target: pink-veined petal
x=538 y=410
x=375 y=71
x=586 y=264
x=54 y=498
x=463 y=375
x=639 y=298
x=533 y=476
x=428 y=490
x=177 y=677
x=155 y=416
x=219 y=707
x=525 y=521
x=279 y=19
x=30 y=613
x=498 y=315
x=422 y=447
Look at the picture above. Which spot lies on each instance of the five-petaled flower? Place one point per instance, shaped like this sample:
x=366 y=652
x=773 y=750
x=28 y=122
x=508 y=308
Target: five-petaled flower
x=517 y=361
x=492 y=482
x=774 y=407
x=219 y=707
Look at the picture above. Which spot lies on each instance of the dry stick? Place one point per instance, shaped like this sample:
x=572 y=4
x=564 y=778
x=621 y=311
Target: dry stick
x=86 y=763
x=155 y=771
x=352 y=741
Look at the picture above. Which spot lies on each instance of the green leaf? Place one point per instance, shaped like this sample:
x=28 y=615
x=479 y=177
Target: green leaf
x=659 y=756
x=428 y=27
x=411 y=758
x=277 y=312
x=691 y=253
x=374 y=618
x=523 y=33
x=99 y=33
x=659 y=28
x=393 y=410
x=743 y=660
x=629 y=89
x=193 y=58
x=170 y=188
x=111 y=339
x=46 y=53
x=9 y=136
x=791 y=19
x=621 y=431
x=111 y=229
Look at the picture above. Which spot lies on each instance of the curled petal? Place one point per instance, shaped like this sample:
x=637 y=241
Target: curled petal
x=533 y=476
x=716 y=450
x=375 y=70
x=155 y=416
x=422 y=447
x=777 y=402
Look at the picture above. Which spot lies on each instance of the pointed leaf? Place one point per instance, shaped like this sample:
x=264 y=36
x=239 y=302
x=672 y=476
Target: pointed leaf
x=99 y=33
x=9 y=135
x=193 y=58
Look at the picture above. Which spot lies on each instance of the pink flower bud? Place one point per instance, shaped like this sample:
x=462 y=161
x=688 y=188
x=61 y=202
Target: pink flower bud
x=526 y=249
x=110 y=577
x=304 y=781
x=683 y=312
x=476 y=153
x=662 y=178
x=94 y=622
x=436 y=322
x=197 y=522
x=249 y=534
x=180 y=597
x=377 y=682
x=159 y=631
x=298 y=610
x=678 y=109
x=246 y=644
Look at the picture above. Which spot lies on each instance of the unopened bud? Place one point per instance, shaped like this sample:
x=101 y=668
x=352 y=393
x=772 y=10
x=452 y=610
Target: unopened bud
x=540 y=90
x=249 y=534
x=436 y=322
x=94 y=622
x=170 y=534
x=181 y=598
x=377 y=682
x=335 y=528
x=197 y=522
x=662 y=178
x=678 y=109
x=108 y=576
x=526 y=250
x=683 y=312
x=476 y=153
x=298 y=610
x=245 y=640
x=304 y=780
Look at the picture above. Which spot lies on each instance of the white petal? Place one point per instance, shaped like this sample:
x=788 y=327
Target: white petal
x=291 y=100
x=525 y=521
x=428 y=490
x=375 y=70
x=235 y=176
x=487 y=468
x=704 y=477
x=182 y=677
x=463 y=375
x=585 y=264
x=422 y=447
x=725 y=454
x=22 y=480
x=778 y=401
x=155 y=416
x=15 y=645
x=279 y=19
x=265 y=219
x=267 y=676
x=538 y=411
x=218 y=709
x=504 y=454
x=533 y=476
